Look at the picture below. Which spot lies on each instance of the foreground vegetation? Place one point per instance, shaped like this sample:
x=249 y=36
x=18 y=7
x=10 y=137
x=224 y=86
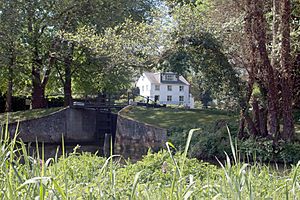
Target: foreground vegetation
x=163 y=175
x=211 y=140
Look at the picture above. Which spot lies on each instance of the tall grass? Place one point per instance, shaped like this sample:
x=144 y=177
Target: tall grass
x=87 y=176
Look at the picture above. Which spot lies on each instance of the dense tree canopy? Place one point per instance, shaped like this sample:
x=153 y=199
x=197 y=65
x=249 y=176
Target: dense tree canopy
x=244 y=50
x=35 y=26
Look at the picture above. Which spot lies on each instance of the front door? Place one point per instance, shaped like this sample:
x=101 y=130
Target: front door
x=156 y=98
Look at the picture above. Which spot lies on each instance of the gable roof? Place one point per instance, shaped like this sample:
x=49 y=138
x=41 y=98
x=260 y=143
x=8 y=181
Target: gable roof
x=155 y=78
x=152 y=77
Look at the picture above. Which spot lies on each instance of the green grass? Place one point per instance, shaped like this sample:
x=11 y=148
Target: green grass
x=26 y=115
x=162 y=175
x=172 y=117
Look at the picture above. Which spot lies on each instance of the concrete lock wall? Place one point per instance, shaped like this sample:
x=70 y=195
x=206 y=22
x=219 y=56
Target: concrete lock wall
x=75 y=125
x=48 y=129
x=133 y=138
x=81 y=125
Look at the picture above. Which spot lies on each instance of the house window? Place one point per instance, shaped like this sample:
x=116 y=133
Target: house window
x=181 y=98
x=169 y=98
x=181 y=88
x=157 y=87
x=169 y=87
x=169 y=77
x=156 y=98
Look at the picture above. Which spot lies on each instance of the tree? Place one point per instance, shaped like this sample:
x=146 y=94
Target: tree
x=117 y=55
x=35 y=25
x=73 y=58
x=255 y=38
x=266 y=54
x=198 y=53
x=10 y=26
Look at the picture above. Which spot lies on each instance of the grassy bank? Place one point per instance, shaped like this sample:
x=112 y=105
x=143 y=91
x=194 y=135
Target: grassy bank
x=212 y=139
x=172 y=117
x=27 y=114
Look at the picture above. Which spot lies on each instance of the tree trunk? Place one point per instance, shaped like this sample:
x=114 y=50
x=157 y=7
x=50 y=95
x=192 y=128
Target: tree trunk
x=296 y=81
x=38 y=89
x=286 y=67
x=241 y=133
x=38 y=96
x=250 y=125
x=9 y=93
x=68 y=77
x=263 y=129
x=255 y=114
x=68 y=87
x=275 y=35
x=266 y=68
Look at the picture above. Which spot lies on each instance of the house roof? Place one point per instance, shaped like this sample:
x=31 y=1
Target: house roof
x=152 y=77
x=155 y=78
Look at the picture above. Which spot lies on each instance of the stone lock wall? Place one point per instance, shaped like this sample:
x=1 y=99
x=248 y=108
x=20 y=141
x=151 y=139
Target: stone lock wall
x=47 y=129
x=75 y=125
x=133 y=138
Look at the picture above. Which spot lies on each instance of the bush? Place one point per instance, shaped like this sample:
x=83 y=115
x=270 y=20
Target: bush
x=55 y=102
x=258 y=149
x=290 y=152
x=212 y=141
x=209 y=142
x=265 y=150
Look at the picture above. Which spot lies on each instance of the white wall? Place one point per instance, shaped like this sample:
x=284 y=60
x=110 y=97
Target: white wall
x=143 y=82
x=149 y=91
x=175 y=93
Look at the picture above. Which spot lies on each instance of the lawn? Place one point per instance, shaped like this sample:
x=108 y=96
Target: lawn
x=171 y=117
x=26 y=115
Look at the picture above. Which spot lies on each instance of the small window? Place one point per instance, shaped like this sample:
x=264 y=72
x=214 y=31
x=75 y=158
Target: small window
x=181 y=98
x=156 y=98
x=169 y=98
x=157 y=87
x=181 y=88
x=169 y=87
x=169 y=77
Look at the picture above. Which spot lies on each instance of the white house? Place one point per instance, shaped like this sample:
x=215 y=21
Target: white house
x=165 y=88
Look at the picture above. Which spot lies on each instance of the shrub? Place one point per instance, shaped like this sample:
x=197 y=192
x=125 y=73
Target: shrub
x=209 y=142
x=212 y=141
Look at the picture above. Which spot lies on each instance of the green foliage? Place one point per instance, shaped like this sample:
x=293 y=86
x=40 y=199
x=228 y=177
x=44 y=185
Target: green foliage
x=33 y=51
x=209 y=142
x=162 y=175
x=212 y=141
x=264 y=150
x=260 y=149
x=196 y=51
x=290 y=152
x=114 y=57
